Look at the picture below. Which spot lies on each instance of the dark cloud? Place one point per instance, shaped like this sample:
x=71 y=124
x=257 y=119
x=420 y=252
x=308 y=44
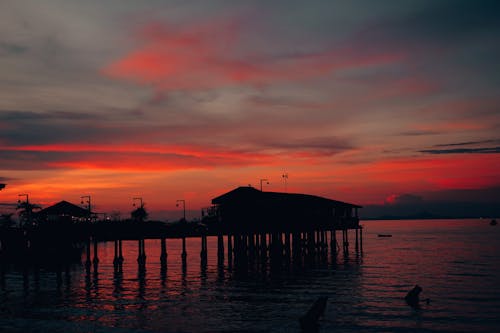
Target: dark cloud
x=460 y=203
x=467 y=143
x=452 y=21
x=26 y=160
x=12 y=49
x=418 y=133
x=404 y=199
x=7 y=115
x=492 y=150
x=62 y=127
x=489 y=194
x=325 y=145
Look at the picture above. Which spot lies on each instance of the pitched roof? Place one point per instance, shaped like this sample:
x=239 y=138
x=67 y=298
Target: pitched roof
x=248 y=193
x=65 y=208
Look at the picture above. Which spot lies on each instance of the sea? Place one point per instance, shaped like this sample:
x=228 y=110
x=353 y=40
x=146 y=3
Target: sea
x=456 y=262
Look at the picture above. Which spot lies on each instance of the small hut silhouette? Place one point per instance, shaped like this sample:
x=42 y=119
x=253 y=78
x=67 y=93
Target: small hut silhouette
x=64 y=211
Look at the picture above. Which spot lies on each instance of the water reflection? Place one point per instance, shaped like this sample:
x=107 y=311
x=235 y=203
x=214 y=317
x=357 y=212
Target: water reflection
x=263 y=293
x=123 y=293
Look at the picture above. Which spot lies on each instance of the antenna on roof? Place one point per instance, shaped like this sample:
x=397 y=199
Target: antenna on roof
x=263 y=180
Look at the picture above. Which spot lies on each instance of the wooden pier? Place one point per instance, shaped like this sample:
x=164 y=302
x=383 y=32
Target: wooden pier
x=278 y=228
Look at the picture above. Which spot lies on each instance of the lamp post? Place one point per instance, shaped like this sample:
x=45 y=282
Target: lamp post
x=285 y=179
x=184 y=253
x=183 y=207
x=263 y=180
x=140 y=213
x=89 y=205
x=23 y=195
x=138 y=198
x=27 y=208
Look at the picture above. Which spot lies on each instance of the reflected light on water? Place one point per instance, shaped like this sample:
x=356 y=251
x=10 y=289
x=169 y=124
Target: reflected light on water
x=456 y=263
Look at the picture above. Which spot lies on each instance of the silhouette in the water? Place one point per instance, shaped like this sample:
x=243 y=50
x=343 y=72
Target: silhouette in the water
x=413 y=298
x=309 y=321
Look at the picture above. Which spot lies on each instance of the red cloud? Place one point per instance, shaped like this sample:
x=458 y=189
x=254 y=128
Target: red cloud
x=141 y=157
x=209 y=56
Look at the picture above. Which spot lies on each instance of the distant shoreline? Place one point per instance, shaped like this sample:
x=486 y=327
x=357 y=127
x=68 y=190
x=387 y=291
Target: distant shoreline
x=408 y=218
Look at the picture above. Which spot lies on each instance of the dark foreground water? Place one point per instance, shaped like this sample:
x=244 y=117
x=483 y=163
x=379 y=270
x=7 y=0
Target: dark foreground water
x=456 y=262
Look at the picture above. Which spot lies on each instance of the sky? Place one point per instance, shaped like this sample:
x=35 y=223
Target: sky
x=375 y=103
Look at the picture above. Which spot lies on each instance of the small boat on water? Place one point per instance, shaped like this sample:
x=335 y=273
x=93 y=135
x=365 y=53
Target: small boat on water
x=384 y=235
x=493 y=222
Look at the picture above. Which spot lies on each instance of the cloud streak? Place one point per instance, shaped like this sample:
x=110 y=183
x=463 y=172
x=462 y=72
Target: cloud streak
x=488 y=150
x=172 y=58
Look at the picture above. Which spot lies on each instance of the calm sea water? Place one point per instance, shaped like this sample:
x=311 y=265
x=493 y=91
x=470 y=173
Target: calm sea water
x=457 y=262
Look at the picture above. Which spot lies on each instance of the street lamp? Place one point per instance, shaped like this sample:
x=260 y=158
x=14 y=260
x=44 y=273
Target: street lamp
x=285 y=179
x=183 y=207
x=263 y=180
x=27 y=208
x=88 y=202
x=184 y=253
x=138 y=198
x=23 y=195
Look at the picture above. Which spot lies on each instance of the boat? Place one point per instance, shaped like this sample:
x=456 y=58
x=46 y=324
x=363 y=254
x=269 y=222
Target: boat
x=384 y=235
x=493 y=222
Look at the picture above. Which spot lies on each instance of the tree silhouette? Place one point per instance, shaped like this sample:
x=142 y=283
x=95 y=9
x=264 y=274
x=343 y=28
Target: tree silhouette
x=26 y=214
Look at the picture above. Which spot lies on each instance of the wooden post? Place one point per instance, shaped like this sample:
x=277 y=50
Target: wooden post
x=346 y=242
x=251 y=246
x=333 y=241
x=257 y=243
x=184 y=253
x=357 y=242
x=141 y=258
x=263 y=245
x=204 y=250
x=88 y=262
x=163 y=255
x=115 y=258
x=311 y=243
x=120 y=251
x=220 y=248
x=96 y=257
x=288 y=250
x=229 y=248
x=361 y=239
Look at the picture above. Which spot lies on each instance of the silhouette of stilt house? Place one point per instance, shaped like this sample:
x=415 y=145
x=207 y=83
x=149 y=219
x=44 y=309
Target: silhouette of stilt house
x=281 y=225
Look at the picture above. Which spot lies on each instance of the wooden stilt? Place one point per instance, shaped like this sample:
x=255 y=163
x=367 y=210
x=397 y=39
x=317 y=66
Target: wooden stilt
x=184 y=253
x=361 y=239
x=357 y=241
x=163 y=255
x=96 y=256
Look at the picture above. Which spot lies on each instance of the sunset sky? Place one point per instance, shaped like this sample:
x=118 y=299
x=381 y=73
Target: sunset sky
x=370 y=102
